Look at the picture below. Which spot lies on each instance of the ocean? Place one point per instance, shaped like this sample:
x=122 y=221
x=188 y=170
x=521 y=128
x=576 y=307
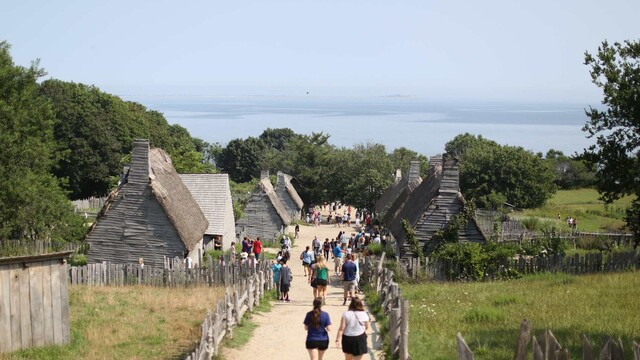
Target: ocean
x=418 y=124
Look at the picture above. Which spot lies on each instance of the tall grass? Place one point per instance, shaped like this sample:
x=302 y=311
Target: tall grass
x=489 y=314
x=130 y=323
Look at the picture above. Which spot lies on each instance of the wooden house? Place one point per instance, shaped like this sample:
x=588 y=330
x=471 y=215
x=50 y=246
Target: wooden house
x=213 y=195
x=429 y=208
x=34 y=302
x=289 y=196
x=393 y=198
x=264 y=214
x=150 y=215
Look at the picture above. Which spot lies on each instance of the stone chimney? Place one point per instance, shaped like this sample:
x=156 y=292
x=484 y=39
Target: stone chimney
x=264 y=174
x=414 y=171
x=281 y=180
x=398 y=175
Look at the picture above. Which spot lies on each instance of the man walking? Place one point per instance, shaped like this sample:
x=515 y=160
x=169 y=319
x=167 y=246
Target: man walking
x=349 y=283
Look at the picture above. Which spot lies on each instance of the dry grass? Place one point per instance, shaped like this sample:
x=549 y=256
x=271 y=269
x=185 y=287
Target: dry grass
x=131 y=323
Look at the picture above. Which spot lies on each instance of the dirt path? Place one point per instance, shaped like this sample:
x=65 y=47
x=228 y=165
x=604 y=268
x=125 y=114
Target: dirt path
x=280 y=333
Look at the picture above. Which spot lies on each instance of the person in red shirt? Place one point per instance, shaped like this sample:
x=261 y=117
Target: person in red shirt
x=257 y=248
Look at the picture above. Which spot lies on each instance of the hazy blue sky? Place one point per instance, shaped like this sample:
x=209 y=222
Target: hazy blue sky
x=478 y=50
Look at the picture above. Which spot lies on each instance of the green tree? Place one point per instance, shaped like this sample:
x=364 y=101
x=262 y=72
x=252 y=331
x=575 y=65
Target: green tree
x=459 y=145
x=401 y=159
x=242 y=159
x=616 y=128
x=489 y=171
x=32 y=204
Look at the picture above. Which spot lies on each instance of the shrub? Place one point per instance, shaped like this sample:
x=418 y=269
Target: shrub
x=483 y=315
x=78 y=260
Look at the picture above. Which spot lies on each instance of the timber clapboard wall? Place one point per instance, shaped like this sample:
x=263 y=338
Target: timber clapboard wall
x=34 y=302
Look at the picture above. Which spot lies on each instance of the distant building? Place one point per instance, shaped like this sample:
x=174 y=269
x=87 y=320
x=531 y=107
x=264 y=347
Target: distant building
x=430 y=207
x=150 y=215
x=289 y=196
x=392 y=198
x=213 y=195
x=264 y=214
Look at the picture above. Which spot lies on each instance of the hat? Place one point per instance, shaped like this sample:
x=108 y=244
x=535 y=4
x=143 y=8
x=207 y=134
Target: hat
x=244 y=255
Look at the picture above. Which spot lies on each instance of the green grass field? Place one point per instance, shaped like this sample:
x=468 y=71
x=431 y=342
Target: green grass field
x=582 y=204
x=489 y=314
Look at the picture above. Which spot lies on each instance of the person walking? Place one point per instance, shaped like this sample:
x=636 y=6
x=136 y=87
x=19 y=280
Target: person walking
x=349 y=270
x=352 y=333
x=275 y=267
x=322 y=277
x=307 y=258
x=284 y=280
x=317 y=323
x=257 y=248
x=337 y=259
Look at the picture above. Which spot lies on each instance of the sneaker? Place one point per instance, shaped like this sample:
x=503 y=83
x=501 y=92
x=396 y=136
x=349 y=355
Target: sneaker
x=288 y=300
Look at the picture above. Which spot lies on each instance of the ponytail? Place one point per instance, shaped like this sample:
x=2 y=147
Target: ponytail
x=315 y=317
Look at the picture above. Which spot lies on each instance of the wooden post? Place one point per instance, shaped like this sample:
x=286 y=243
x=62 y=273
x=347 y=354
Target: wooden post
x=538 y=354
x=404 y=329
x=394 y=330
x=636 y=351
x=464 y=353
x=586 y=349
x=523 y=340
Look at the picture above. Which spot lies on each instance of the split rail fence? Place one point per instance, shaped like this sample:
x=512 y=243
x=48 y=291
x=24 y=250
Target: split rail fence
x=548 y=348
x=393 y=305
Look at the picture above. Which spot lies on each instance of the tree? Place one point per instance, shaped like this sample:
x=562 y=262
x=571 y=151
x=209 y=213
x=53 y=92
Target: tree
x=401 y=159
x=460 y=144
x=32 y=204
x=616 y=128
x=570 y=172
x=242 y=159
x=489 y=171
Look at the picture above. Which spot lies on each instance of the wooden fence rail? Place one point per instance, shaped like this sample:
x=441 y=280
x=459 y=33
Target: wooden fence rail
x=393 y=304
x=548 y=348
x=212 y=273
x=575 y=264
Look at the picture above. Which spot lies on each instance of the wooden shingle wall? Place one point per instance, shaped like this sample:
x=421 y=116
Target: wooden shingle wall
x=34 y=302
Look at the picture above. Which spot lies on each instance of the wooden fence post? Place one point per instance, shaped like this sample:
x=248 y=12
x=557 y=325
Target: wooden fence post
x=404 y=329
x=464 y=353
x=394 y=329
x=586 y=349
x=636 y=351
x=523 y=340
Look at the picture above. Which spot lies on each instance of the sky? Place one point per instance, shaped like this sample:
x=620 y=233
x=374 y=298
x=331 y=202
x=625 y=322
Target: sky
x=448 y=50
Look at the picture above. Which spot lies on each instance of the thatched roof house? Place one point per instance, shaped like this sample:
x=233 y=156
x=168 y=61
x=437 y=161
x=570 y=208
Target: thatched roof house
x=429 y=208
x=405 y=184
x=213 y=195
x=264 y=214
x=289 y=196
x=150 y=215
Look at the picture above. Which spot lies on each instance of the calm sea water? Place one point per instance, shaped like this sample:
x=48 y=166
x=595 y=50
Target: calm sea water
x=418 y=124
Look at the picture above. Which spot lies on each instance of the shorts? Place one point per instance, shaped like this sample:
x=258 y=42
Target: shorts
x=355 y=345
x=337 y=260
x=321 y=282
x=321 y=345
x=284 y=288
x=306 y=264
x=349 y=285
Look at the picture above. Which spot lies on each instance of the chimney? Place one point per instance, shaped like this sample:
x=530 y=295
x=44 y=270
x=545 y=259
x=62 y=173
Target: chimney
x=398 y=175
x=414 y=171
x=281 y=179
x=140 y=168
x=264 y=174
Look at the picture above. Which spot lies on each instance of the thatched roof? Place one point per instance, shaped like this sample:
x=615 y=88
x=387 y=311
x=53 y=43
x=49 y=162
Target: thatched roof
x=400 y=188
x=181 y=208
x=265 y=186
x=412 y=206
x=212 y=193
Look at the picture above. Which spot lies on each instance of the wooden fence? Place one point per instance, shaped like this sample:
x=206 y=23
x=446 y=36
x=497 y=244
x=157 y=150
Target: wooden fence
x=222 y=272
x=576 y=264
x=548 y=348
x=393 y=304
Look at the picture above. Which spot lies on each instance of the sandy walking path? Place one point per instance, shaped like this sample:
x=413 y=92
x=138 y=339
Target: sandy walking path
x=280 y=333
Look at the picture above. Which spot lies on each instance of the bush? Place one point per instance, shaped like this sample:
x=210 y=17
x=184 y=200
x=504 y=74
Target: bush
x=78 y=260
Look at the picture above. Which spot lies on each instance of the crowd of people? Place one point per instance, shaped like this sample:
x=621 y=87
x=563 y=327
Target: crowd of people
x=343 y=251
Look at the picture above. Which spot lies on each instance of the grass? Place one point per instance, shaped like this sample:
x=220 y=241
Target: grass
x=583 y=204
x=130 y=323
x=489 y=314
